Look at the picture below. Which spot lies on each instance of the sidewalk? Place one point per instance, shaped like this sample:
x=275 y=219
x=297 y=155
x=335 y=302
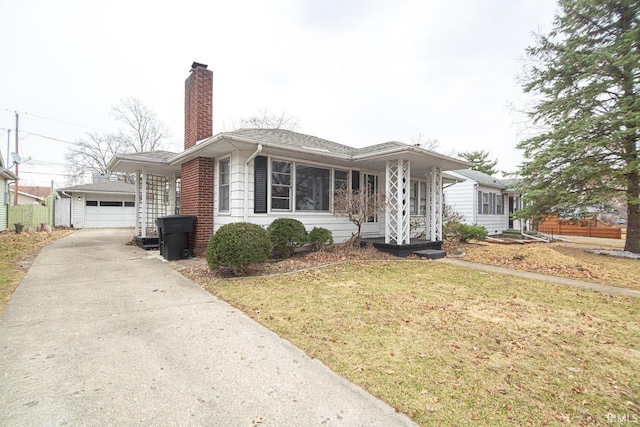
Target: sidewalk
x=554 y=279
x=99 y=333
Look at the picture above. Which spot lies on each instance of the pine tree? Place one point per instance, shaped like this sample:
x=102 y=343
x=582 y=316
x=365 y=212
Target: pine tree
x=585 y=80
x=480 y=161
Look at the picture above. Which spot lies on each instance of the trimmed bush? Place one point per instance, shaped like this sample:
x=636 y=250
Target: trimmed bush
x=320 y=237
x=468 y=232
x=237 y=245
x=286 y=234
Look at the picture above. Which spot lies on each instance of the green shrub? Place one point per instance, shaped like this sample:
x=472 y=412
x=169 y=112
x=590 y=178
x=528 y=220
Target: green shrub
x=320 y=237
x=237 y=245
x=468 y=232
x=450 y=222
x=286 y=234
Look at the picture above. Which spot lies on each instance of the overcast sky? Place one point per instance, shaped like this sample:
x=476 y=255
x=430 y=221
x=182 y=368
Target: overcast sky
x=357 y=72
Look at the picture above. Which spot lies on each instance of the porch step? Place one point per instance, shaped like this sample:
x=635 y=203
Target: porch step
x=149 y=242
x=431 y=253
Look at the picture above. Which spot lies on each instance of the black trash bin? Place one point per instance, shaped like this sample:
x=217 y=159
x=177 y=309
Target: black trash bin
x=173 y=231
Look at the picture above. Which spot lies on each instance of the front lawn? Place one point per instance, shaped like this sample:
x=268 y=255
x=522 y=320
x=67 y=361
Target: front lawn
x=454 y=346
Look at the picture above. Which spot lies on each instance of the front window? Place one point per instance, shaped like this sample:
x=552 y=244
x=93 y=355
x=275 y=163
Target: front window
x=371 y=186
x=485 y=203
x=413 y=197
x=280 y=185
x=340 y=180
x=312 y=188
x=223 y=186
x=499 y=204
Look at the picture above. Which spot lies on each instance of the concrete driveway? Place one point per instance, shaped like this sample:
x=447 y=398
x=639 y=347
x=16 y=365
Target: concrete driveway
x=99 y=333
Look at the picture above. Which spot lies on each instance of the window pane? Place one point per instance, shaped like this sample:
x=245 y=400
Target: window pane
x=340 y=180
x=129 y=204
x=224 y=172
x=280 y=185
x=413 y=197
x=312 y=188
x=279 y=203
x=223 y=186
x=111 y=204
x=91 y=203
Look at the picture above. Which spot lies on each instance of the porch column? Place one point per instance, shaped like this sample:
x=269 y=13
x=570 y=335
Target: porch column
x=397 y=218
x=435 y=205
x=143 y=216
x=137 y=205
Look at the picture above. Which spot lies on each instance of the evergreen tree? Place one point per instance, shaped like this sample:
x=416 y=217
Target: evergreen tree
x=585 y=78
x=480 y=161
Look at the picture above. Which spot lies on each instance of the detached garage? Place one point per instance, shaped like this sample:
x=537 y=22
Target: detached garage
x=101 y=205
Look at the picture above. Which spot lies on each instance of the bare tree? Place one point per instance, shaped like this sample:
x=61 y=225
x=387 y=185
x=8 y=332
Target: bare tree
x=142 y=130
x=91 y=154
x=419 y=140
x=359 y=207
x=264 y=119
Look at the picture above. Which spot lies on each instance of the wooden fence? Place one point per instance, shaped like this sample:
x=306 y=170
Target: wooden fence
x=585 y=228
x=31 y=216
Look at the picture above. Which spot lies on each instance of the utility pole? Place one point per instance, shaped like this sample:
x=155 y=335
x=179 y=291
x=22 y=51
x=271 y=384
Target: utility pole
x=15 y=195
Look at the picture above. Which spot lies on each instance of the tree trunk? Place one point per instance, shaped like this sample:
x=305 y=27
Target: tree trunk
x=632 y=243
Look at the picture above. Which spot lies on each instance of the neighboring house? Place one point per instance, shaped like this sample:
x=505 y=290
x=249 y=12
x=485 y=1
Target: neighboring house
x=5 y=176
x=29 y=194
x=485 y=200
x=258 y=175
x=104 y=204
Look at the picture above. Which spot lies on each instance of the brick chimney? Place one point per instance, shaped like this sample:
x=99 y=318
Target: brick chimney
x=197 y=174
x=198 y=101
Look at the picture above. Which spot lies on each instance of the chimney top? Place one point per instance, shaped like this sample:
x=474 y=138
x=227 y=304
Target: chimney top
x=197 y=64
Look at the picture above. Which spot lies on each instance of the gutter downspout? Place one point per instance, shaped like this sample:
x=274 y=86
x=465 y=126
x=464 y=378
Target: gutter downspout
x=246 y=181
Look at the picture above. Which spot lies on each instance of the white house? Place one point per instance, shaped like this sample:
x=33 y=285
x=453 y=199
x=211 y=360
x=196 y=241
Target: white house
x=5 y=176
x=104 y=204
x=258 y=175
x=484 y=200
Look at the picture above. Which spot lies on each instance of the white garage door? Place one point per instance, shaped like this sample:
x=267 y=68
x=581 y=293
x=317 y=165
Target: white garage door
x=109 y=213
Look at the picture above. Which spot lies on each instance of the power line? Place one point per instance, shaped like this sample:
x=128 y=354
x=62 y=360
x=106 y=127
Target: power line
x=52 y=119
x=52 y=138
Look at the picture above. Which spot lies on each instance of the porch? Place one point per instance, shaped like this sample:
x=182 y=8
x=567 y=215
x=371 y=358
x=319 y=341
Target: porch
x=421 y=247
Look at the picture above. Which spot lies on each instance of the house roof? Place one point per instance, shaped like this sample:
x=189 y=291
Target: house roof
x=7 y=174
x=111 y=187
x=280 y=142
x=487 y=180
x=35 y=191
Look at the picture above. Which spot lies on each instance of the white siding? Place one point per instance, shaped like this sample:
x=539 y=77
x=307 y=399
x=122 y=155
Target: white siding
x=3 y=205
x=341 y=228
x=462 y=199
x=77 y=210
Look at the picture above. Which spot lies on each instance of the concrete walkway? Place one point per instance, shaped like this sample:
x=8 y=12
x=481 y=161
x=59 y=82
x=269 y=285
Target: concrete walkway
x=99 y=333
x=554 y=279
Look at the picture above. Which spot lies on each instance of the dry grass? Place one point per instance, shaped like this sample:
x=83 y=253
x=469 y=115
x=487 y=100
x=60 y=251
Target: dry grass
x=561 y=259
x=17 y=252
x=454 y=346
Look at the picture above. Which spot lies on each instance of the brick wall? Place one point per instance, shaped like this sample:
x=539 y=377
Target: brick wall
x=198 y=105
x=197 y=199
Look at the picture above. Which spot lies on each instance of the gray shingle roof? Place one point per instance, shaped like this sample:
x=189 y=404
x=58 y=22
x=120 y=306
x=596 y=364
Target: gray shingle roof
x=103 y=187
x=289 y=138
x=481 y=178
x=149 y=155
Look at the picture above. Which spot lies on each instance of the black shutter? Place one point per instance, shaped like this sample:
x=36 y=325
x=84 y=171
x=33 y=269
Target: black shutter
x=260 y=185
x=355 y=180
